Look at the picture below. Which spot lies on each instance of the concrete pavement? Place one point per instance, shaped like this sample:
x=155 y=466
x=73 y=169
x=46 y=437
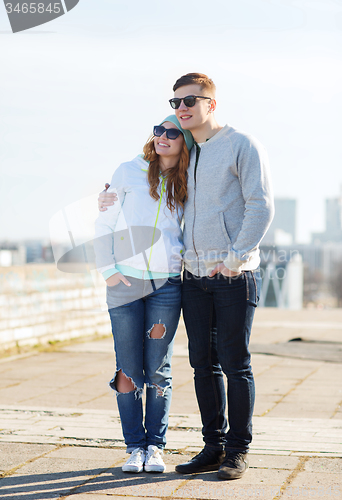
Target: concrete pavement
x=60 y=433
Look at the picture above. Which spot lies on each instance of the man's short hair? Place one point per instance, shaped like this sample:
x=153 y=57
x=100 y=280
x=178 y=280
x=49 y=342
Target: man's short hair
x=196 y=79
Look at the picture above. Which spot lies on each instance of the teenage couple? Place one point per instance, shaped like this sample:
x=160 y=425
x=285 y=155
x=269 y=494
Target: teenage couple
x=216 y=179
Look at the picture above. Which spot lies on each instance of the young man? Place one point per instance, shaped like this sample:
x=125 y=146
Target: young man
x=229 y=209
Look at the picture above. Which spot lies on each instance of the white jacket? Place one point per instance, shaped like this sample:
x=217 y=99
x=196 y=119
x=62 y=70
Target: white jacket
x=118 y=239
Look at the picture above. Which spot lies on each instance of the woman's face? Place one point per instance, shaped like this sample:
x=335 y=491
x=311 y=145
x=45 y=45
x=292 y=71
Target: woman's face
x=168 y=147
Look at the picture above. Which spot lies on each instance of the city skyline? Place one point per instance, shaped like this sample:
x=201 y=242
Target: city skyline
x=282 y=231
x=83 y=92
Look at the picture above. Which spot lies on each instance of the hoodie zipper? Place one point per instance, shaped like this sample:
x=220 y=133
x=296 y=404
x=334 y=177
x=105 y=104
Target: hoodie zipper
x=155 y=224
x=198 y=152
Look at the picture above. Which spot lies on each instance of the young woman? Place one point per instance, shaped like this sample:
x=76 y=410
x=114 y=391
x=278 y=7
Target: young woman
x=139 y=252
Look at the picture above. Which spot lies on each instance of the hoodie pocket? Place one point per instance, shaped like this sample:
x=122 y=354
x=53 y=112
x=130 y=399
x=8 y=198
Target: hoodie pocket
x=224 y=228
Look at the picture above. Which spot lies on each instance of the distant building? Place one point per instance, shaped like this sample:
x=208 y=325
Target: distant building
x=283 y=228
x=322 y=258
x=333 y=222
x=12 y=255
x=25 y=252
x=34 y=250
x=282 y=274
x=38 y=251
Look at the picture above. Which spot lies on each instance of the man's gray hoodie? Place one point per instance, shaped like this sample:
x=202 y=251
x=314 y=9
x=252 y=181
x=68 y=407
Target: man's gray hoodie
x=230 y=203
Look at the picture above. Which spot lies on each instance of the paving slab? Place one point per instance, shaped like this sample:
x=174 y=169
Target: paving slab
x=13 y=455
x=99 y=495
x=103 y=428
x=318 y=465
x=313 y=485
x=304 y=349
x=116 y=482
x=57 y=473
x=272 y=462
x=254 y=483
x=60 y=432
x=69 y=470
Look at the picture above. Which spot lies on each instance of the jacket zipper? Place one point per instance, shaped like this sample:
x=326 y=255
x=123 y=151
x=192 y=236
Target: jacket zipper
x=198 y=151
x=155 y=224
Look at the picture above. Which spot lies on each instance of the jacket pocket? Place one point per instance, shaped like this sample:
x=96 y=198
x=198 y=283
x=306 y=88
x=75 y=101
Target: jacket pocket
x=224 y=228
x=111 y=287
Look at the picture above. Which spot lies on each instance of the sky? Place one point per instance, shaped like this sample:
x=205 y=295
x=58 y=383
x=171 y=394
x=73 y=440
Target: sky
x=80 y=95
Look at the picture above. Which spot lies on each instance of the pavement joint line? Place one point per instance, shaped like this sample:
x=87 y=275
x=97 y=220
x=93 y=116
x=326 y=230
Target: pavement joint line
x=183 y=483
x=9 y=386
x=79 y=445
x=337 y=409
x=179 y=386
x=301 y=358
x=10 y=472
x=299 y=468
x=78 y=380
x=303 y=325
x=266 y=369
x=15 y=357
x=93 y=399
x=295 y=386
x=75 y=488
x=56 y=346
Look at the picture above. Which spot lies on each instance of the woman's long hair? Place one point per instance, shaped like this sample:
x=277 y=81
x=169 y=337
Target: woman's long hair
x=176 y=177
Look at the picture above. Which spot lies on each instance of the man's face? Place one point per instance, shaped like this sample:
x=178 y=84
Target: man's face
x=196 y=116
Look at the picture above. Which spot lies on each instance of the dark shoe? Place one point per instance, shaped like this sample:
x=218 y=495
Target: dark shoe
x=234 y=465
x=207 y=460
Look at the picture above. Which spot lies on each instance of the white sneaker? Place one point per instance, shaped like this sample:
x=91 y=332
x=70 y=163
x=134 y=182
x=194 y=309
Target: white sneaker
x=136 y=460
x=153 y=460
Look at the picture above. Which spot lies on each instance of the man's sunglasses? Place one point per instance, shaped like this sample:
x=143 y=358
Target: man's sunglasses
x=189 y=101
x=171 y=133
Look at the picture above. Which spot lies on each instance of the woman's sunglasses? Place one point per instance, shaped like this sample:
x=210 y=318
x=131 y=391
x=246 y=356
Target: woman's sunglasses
x=189 y=101
x=171 y=133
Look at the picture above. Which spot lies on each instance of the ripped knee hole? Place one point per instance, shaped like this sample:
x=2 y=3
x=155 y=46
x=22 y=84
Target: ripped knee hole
x=123 y=383
x=157 y=331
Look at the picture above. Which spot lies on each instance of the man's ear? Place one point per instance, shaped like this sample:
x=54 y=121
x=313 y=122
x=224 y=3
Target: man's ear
x=212 y=106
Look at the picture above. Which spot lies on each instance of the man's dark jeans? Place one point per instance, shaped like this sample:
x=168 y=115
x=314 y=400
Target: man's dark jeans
x=218 y=314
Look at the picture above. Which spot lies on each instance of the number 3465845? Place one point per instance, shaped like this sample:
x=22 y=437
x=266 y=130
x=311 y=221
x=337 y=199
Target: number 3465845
x=33 y=8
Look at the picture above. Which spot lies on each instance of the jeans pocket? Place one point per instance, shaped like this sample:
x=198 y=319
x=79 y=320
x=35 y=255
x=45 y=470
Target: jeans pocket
x=253 y=285
x=175 y=280
x=230 y=278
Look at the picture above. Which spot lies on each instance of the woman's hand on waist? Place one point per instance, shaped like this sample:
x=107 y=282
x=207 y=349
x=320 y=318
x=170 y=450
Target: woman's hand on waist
x=116 y=278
